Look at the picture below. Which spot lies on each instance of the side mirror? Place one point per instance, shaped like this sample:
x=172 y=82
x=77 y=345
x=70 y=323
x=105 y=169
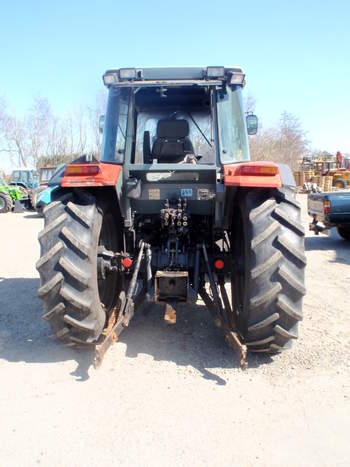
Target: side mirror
x=101 y=123
x=252 y=124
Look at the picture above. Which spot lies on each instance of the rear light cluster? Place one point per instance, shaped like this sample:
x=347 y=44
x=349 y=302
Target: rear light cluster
x=259 y=170
x=82 y=169
x=326 y=207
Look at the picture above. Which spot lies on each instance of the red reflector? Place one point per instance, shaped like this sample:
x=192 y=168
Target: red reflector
x=82 y=169
x=327 y=207
x=259 y=170
x=219 y=264
x=126 y=262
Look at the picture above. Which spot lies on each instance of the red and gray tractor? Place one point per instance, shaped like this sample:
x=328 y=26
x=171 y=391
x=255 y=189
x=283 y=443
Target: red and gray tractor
x=174 y=211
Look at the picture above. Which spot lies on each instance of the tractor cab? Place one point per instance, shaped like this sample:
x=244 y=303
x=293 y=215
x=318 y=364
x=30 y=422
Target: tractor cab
x=177 y=115
x=27 y=178
x=173 y=130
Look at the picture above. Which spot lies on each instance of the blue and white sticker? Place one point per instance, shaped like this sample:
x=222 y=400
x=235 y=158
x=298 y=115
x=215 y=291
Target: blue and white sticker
x=186 y=192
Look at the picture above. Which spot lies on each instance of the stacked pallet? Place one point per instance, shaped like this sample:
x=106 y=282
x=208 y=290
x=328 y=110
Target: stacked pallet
x=305 y=179
x=327 y=182
x=303 y=176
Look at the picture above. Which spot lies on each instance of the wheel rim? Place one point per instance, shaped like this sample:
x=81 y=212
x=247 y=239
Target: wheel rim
x=2 y=203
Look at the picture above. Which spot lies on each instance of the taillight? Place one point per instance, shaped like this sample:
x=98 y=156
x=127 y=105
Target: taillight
x=82 y=169
x=259 y=169
x=219 y=264
x=126 y=262
x=326 y=207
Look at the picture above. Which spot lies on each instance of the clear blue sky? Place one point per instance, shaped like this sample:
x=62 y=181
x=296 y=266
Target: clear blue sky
x=296 y=55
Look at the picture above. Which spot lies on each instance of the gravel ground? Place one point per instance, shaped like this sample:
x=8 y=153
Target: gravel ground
x=173 y=395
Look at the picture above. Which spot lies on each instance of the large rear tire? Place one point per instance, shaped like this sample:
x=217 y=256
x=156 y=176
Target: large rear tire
x=76 y=301
x=269 y=260
x=6 y=203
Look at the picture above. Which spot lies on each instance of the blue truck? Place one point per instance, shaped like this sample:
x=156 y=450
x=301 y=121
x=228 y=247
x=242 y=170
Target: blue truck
x=330 y=209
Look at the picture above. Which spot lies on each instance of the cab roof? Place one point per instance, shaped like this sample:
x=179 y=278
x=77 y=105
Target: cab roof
x=211 y=75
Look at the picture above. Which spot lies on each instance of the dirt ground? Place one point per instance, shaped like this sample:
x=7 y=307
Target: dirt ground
x=173 y=395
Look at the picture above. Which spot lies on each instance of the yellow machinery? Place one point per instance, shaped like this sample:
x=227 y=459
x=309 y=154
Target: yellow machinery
x=341 y=178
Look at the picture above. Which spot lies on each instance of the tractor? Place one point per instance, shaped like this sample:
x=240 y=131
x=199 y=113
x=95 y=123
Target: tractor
x=27 y=181
x=8 y=196
x=172 y=212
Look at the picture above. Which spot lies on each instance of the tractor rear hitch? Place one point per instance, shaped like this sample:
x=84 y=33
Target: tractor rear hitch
x=124 y=311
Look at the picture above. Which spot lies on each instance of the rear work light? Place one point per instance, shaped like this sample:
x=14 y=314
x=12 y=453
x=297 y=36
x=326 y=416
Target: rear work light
x=326 y=207
x=215 y=71
x=259 y=170
x=82 y=169
x=127 y=73
x=110 y=77
x=237 y=78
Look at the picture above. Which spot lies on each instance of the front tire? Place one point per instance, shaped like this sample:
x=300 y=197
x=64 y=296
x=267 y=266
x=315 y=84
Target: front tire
x=69 y=286
x=268 y=281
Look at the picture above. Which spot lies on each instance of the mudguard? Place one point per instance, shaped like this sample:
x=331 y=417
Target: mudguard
x=81 y=175
x=260 y=174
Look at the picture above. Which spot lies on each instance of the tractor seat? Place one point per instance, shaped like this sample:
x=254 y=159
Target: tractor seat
x=172 y=143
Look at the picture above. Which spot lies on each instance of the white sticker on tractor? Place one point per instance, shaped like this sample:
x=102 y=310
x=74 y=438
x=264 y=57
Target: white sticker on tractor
x=186 y=192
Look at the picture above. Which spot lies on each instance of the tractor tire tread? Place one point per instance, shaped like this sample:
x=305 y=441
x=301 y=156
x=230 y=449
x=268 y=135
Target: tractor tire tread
x=75 y=242
x=74 y=271
x=263 y=209
x=292 y=280
x=75 y=299
x=290 y=222
x=49 y=255
x=68 y=268
x=50 y=285
x=289 y=246
x=271 y=229
x=264 y=267
x=79 y=214
x=274 y=263
x=52 y=226
x=59 y=308
x=266 y=322
x=266 y=297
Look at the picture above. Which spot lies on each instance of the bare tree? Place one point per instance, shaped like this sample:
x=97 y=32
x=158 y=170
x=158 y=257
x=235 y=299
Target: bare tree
x=15 y=137
x=38 y=124
x=286 y=143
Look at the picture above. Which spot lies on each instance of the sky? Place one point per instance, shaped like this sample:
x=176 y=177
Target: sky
x=296 y=54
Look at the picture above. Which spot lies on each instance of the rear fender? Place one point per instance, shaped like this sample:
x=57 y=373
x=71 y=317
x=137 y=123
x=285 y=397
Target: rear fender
x=102 y=184
x=106 y=175
x=238 y=177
